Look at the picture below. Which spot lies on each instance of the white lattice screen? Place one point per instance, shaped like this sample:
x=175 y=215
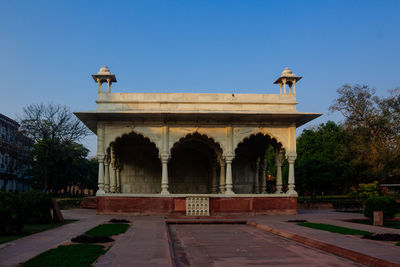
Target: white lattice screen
x=197 y=206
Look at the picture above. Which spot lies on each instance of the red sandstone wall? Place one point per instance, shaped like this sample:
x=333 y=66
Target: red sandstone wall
x=171 y=205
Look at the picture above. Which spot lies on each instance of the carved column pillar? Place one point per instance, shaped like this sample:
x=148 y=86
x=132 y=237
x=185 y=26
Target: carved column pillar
x=118 y=177
x=107 y=174
x=100 y=159
x=214 y=184
x=264 y=175
x=164 y=161
x=113 y=182
x=291 y=179
x=256 y=177
x=230 y=155
x=229 y=185
x=221 y=176
x=279 y=162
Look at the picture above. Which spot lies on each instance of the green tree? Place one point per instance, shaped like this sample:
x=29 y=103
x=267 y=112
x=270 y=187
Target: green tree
x=321 y=162
x=373 y=126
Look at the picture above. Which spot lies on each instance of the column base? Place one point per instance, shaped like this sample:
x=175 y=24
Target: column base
x=229 y=192
x=291 y=192
x=100 y=192
x=164 y=192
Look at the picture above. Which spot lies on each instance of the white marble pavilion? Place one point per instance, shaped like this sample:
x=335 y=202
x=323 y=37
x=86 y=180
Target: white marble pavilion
x=157 y=151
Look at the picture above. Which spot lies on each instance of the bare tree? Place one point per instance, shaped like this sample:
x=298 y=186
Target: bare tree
x=50 y=125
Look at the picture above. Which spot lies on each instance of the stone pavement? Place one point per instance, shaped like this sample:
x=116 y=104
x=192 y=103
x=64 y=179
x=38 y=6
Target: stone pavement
x=382 y=250
x=23 y=249
x=146 y=242
x=243 y=245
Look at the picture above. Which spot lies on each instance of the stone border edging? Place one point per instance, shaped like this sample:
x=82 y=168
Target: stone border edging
x=342 y=252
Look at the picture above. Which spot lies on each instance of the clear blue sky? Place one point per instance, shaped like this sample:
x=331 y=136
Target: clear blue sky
x=48 y=49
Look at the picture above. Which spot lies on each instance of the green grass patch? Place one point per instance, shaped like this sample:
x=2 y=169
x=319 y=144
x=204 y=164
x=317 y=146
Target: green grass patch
x=334 y=228
x=398 y=244
x=67 y=256
x=30 y=229
x=389 y=224
x=108 y=229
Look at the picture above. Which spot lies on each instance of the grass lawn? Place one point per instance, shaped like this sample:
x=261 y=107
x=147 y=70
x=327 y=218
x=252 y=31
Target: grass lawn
x=30 y=229
x=334 y=228
x=398 y=244
x=108 y=229
x=67 y=256
x=390 y=224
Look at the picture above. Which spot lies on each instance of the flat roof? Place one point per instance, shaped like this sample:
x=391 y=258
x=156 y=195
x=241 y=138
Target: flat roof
x=90 y=118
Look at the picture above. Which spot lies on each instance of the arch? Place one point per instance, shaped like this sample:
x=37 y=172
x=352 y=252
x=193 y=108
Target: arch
x=193 y=164
x=280 y=143
x=249 y=168
x=139 y=164
x=125 y=134
x=216 y=146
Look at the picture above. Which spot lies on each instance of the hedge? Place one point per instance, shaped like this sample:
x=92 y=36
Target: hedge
x=28 y=207
x=11 y=214
x=387 y=204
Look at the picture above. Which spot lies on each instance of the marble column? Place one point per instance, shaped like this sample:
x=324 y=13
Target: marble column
x=164 y=160
x=264 y=176
x=279 y=162
x=113 y=177
x=221 y=176
x=164 y=176
x=256 y=177
x=229 y=183
x=118 y=179
x=291 y=179
x=214 y=184
x=100 y=160
x=107 y=174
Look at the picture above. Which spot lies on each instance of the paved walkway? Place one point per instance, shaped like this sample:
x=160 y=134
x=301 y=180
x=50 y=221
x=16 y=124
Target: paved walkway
x=382 y=250
x=146 y=242
x=23 y=249
x=201 y=245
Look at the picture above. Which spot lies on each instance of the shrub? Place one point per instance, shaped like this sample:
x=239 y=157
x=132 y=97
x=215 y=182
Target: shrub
x=11 y=216
x=365 y=191
x=67 y=203
x=36 y=207
x=387 y=204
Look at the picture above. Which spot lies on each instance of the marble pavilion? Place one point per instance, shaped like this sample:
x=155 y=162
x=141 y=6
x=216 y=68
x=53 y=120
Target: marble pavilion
x=195 y=154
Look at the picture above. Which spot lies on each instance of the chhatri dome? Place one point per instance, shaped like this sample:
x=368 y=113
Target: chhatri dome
x=285 y=73
x=104 y=70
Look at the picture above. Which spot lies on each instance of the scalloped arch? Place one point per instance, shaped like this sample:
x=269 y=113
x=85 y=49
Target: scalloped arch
x=125 y=134
x=215 y=145
x=254 y=133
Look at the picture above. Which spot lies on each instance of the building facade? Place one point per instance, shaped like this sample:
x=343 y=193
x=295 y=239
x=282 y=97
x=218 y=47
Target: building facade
x=15 y=157
x=158 y=152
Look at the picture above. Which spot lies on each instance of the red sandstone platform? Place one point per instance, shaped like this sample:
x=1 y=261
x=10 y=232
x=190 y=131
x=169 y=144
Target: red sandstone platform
x=177 y=205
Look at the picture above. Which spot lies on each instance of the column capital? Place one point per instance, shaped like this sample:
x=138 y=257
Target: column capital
x=291 y=158
x=101 y=157
x=229 y=157
x=164 y=156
